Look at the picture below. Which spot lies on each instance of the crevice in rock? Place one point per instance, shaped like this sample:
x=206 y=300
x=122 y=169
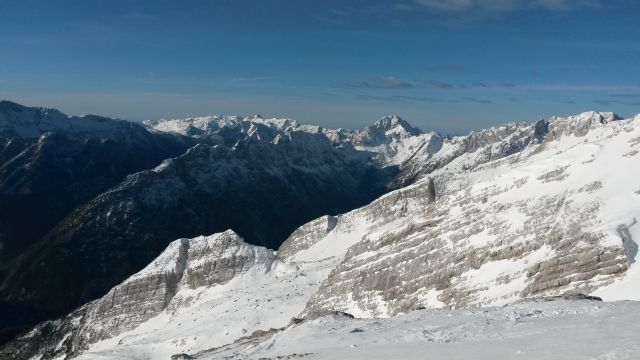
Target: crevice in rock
x=332 y=221
x=173 y=278
x=630 y=246
x=431 y=190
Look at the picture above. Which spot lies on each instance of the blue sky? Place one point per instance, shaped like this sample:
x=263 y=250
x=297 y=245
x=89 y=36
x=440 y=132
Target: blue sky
x=448 y=65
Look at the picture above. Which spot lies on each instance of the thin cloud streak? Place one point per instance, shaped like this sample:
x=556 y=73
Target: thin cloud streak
x=383 y=82
x=438 y=84
x=582 y=88
x=475 y=100
x=445 y=68
x=500 y=6
x=397 y=98
x=620 y=102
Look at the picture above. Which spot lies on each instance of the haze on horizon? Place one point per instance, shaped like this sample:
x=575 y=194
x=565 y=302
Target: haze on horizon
x=450 y=65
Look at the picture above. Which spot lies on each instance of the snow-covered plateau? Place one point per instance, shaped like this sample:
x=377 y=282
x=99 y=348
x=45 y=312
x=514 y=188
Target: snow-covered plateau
x=532 y=330
x=488 y=250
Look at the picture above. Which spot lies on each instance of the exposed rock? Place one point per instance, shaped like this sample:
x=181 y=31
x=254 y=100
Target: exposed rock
x=307 y=235
x=466 y=248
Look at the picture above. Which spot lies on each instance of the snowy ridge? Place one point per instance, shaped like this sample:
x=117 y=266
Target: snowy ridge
x=391 y=141
x=215 y=125
x=26 y=122
x=463 y=153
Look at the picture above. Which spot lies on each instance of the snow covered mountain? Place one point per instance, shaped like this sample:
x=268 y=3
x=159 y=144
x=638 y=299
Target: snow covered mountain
x=50 y=164
x=390 y=142
x=510 y=213
x=32 y=122
x=225 y=128
x=65 y=186
x=263 y=190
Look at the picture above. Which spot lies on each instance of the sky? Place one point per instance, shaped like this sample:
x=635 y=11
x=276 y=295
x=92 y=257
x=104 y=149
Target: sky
x=447 y=65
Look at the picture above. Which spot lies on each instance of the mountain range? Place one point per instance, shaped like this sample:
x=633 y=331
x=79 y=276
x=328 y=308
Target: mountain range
x=279 y=224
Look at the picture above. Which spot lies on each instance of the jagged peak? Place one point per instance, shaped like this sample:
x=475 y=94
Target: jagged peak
x=580 y=124
x=169 y=260
x=391 y=122
x=589 y=117
x=200 y=125
x=255 y=117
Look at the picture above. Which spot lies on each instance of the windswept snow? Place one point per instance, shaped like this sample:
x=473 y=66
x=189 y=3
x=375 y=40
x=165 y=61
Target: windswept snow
x=528 y=331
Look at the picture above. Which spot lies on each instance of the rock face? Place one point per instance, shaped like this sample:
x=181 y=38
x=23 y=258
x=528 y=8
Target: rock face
x=487 y=228
x=469 y=151
x=538 y=222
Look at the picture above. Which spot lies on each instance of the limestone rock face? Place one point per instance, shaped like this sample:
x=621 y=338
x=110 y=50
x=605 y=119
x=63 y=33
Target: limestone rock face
x=579 y=125
x=539 y=222
x=462 y=153
x=307 y=235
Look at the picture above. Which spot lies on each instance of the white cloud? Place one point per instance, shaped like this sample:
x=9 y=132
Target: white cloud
x=383 y=82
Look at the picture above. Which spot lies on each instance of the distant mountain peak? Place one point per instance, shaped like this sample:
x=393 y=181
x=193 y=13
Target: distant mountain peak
x=388 y=129
x=395 y=122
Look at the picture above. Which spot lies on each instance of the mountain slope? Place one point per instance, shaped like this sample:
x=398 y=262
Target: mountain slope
x=546 y=329
x=246 y=287
x=555 y=218
x=50 y=164
x=263 y=190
